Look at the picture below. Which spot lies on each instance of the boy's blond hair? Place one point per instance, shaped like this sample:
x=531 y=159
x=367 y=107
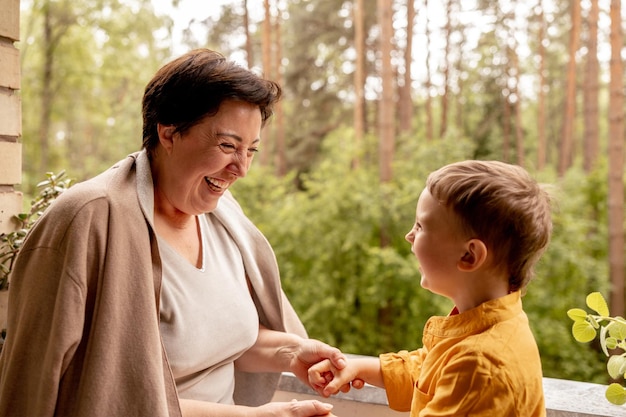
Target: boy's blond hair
x=503 y=206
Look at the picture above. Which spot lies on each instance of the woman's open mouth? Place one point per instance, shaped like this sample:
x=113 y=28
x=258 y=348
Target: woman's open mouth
x=216 y=184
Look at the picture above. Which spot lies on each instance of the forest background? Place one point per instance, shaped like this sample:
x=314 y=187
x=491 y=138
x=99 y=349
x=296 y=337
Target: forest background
x=378 y=93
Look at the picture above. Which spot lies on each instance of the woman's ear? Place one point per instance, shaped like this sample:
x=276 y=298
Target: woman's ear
x=166 y=136
x=474 y=257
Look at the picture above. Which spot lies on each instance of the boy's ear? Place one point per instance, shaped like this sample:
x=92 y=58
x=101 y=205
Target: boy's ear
x=166 y=135
x=474 y=257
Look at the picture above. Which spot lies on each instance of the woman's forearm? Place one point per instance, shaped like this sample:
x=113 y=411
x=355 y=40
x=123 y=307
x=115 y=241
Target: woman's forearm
x=273 y=351
x=194 y=408
x=306 y=408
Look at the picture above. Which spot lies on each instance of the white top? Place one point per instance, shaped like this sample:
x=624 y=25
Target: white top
x=208 y=318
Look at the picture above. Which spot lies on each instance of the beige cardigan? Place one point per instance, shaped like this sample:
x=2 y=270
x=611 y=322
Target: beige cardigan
x=83 y=322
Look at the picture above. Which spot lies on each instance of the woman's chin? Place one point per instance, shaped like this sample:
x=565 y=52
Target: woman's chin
x=210 y=207
x=211 y=203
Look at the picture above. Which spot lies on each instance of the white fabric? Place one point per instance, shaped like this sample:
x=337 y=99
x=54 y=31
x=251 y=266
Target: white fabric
x=207 y=317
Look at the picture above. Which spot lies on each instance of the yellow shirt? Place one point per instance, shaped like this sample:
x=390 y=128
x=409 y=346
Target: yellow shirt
x=483 y=362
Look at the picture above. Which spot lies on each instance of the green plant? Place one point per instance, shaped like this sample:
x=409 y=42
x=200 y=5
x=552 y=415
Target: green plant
x=612 y=332
x=10 y=243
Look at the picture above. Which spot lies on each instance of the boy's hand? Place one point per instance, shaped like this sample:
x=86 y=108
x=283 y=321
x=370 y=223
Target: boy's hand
x=326 y=379
x=320 y=375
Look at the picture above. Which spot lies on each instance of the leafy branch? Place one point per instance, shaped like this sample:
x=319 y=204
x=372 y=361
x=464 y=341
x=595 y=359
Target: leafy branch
x=612 y=332
x=10 y=243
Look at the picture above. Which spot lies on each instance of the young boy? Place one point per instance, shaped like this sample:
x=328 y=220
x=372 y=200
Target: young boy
x=480 y=228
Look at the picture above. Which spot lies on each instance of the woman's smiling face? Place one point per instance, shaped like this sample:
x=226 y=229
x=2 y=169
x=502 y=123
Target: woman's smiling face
x=196 y=168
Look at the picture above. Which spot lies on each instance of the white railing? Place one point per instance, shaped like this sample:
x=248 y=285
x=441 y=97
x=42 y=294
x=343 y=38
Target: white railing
x=563 y=399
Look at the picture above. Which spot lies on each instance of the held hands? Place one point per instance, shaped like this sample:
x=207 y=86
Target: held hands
x=328 y=379
x=313 y=354
x=306 y=354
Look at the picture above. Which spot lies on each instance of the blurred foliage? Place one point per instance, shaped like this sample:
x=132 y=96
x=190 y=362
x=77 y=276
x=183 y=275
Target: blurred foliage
x=99 y=56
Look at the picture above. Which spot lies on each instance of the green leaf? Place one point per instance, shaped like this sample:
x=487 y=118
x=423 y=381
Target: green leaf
x=577 y=314
x=604 y=341
x=616 y=394
x=596 y=302
x=611 y=343
x=583 y=331
x=617 y=329
x=616 y=365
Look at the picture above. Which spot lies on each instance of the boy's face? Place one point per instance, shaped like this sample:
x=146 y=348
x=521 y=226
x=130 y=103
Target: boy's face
x=438 y=244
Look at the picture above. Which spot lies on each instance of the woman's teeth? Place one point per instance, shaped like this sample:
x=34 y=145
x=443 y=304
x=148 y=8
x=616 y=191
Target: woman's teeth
x=216 y=184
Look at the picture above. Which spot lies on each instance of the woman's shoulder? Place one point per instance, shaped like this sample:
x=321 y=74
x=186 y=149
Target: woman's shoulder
x=116 y=181
x=113 y=189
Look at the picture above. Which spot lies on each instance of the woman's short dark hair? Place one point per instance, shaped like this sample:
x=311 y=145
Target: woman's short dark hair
x=193 y=86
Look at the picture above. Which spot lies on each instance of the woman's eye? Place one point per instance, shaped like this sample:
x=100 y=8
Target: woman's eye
x=228 y=147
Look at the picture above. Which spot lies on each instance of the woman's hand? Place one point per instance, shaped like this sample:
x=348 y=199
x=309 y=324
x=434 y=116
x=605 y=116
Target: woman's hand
x=327 y=379
x=307 y=408
x=278 y=351
x=311 y=352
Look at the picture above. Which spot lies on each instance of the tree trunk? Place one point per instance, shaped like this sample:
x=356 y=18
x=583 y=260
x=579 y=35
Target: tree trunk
x=386 y=108
x=446 y=71
x=269 y=73
x=590 y=91
x=429 y=102
x=46 y=90
x=515 y=96
x=506 y=129
x=541 y=97
x=616 y=164
x=566 y=151
x=517 y=112
x=246 y=25
x=281 y=157
x=459 y=68
x=405 y=99
x=359 y=80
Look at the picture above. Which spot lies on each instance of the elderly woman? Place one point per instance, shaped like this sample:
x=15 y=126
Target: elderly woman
x=146 y=291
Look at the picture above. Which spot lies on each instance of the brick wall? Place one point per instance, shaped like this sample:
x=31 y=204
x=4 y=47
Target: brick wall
x=10 y=123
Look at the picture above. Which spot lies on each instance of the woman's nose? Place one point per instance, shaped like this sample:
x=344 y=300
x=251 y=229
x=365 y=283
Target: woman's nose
x=240 y=165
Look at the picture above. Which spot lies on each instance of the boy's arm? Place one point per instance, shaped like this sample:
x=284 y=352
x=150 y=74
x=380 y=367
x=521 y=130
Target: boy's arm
x=328 y=380
x=369 y=371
